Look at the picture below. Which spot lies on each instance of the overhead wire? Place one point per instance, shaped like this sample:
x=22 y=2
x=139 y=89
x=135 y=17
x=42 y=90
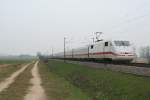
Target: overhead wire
x=131 y=19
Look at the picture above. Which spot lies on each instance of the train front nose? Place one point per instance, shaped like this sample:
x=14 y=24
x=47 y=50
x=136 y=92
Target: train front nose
x=124 y=56
x=124 y=53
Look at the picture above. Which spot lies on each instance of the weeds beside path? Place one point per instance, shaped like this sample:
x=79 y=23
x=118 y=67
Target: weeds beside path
x=57 y=88
x=7 y=71
x=8 y=81
x=18 y=89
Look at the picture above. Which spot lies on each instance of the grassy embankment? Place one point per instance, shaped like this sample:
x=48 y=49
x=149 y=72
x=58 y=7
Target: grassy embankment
x=102 y=84
x=19 y=88
x=57 y=88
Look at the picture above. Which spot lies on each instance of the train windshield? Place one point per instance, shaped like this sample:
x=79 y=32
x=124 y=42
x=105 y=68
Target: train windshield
x=122 y=43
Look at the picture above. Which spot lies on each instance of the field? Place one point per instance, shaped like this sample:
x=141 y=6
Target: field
x=12 y=66
x=6 y=71
x=100 y=84
x=18 y=89
x=14 y=61
x=66 y=81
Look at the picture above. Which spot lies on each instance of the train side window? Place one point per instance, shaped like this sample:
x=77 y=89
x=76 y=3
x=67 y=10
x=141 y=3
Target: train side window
x=106 y=43
x=92 y=46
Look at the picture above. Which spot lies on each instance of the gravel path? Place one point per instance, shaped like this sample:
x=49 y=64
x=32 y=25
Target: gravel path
x=121 y=68
x=36 y=91
x=7 y=82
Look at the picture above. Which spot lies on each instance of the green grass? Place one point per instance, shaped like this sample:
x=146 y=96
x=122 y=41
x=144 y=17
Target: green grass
x=102 y=84
x=19 y=88
x=13 y=61
x=57 y=88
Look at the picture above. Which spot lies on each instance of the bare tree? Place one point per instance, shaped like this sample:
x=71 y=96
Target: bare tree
x=145 y=52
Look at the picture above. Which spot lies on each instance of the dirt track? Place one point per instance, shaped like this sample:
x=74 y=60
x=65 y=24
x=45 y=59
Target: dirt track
x=36 y=92
x=6 y=83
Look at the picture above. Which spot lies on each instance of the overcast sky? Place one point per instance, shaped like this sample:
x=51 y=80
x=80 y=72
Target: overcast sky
x=28 y=26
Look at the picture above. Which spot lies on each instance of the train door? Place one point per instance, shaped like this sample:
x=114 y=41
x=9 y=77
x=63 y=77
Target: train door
x=107 y=49
x=91 y=50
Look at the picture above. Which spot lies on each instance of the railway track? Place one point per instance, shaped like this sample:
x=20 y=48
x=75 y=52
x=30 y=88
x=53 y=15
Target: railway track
x=139 y=65
x=120 y=63
x=129 y=64
x=114 y=63
x=132 y=68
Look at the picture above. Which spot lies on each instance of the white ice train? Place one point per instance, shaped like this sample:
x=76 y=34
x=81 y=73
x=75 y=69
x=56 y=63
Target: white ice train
x=103 y=50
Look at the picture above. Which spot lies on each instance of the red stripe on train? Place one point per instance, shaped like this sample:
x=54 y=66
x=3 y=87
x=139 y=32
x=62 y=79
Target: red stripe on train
x=100 y=53
x=96 y=53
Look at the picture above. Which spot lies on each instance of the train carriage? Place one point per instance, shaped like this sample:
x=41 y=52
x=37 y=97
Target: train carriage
x=103 y=50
